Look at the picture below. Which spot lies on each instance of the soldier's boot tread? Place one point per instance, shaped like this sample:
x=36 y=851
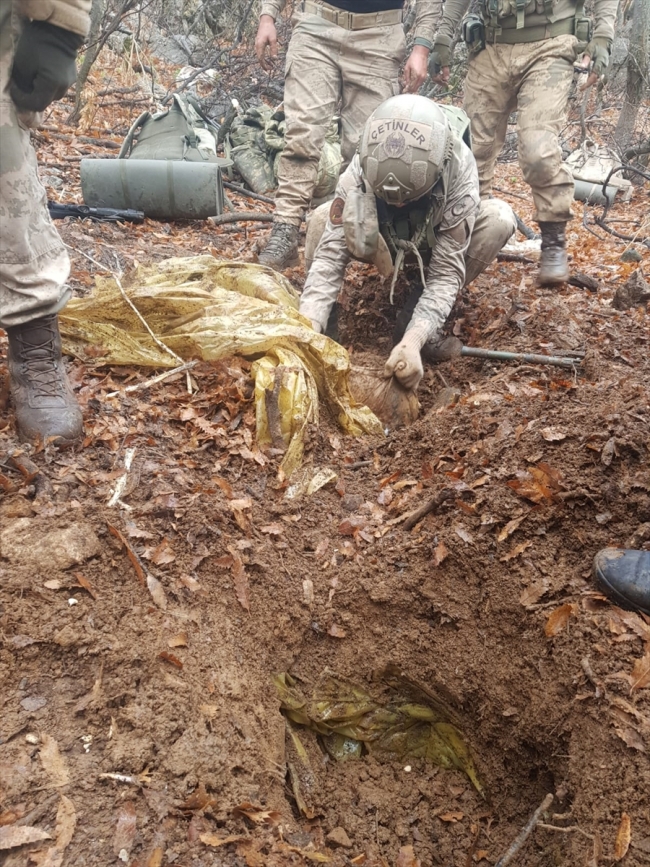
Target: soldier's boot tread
x=553 y=263
x=624 y=576
x=281 y=250
x=46 y=408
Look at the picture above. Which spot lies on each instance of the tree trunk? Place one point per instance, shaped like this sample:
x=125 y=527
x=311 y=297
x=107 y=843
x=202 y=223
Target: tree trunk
x=97 y=11
x=638 y=67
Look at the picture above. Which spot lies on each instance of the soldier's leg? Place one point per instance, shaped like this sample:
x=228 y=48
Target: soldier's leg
x=34 y=266
x=546 y=76
x=370 y=64
x=489 y=99
x=495 y=225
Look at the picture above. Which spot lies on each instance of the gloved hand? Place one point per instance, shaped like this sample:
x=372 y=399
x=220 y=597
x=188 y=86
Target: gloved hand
x=44 y=65
x=405 y=362
x=599 y=50
x=441 y=57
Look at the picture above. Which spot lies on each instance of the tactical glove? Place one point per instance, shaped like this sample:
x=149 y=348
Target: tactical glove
x=441 y=55
x=404 y=362
x=599 y=50
x=44 y=65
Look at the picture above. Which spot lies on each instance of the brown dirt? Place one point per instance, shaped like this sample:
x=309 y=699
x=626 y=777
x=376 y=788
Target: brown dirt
x=183 y=694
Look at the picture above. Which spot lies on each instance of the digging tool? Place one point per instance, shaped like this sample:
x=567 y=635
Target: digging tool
x=451 y=347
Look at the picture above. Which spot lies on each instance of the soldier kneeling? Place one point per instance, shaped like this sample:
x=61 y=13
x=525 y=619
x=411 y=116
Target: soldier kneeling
x=411 y=190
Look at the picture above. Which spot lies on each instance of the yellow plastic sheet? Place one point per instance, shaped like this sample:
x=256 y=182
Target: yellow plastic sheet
x=346 y=716
x=206 y=308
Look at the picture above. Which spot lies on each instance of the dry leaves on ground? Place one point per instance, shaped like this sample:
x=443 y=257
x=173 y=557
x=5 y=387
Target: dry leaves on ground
x=559 y=618
x=53 y=762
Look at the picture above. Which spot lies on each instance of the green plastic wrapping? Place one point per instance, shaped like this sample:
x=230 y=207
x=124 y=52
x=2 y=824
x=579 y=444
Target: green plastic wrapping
x=206 y=308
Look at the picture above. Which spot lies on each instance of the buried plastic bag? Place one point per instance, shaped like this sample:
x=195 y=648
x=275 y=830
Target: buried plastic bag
x=207 y=308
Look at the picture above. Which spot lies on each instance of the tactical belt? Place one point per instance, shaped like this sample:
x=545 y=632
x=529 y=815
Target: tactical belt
x=508 y=33
x=352 y=20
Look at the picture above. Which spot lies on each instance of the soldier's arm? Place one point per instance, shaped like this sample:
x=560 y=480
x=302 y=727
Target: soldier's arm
x=605 y=18
x=452 y=14
x=446 y=272
x=331 y=258
x=272 y=8
x=71 y=15
x=427 y=15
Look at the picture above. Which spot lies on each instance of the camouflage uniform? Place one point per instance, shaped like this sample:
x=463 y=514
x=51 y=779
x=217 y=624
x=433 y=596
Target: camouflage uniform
x=525 y=62
x=34 y=264
x=464 y=236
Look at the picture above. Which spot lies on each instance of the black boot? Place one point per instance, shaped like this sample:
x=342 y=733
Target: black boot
x=624 y=575
x=44 y=402
x=553 y=264
x=281 y=249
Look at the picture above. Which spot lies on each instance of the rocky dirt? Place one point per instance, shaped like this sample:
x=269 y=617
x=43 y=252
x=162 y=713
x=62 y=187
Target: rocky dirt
x=139 y=720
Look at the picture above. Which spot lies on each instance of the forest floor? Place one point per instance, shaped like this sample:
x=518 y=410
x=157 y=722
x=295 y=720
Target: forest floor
x=488 y=602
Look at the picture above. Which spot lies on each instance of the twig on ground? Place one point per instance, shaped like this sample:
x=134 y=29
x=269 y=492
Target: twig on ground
x=525 y=833
x=146 y=383
x=249 y=194
x=410 y=519
x=121 y=482
x=242 y=216
x=514 y=257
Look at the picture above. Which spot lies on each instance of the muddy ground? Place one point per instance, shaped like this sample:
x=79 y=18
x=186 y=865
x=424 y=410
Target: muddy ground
x=488 y=602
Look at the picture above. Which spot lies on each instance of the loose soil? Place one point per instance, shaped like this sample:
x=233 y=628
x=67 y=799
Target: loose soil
x=489 y=602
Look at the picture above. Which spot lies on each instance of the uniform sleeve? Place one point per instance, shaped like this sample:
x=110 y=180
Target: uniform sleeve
x=452 y=14
x=605 y=18
x=72 y=15
x=446 y=272
x=427 y=15
x=331 y=258
x=272 y=8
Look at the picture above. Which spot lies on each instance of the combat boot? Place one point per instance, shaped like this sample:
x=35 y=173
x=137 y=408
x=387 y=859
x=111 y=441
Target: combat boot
x=624 y=575
x=281 y=249
x=43 y=399
x=553 y=264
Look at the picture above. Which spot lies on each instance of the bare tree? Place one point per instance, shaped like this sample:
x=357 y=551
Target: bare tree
x=638 y=69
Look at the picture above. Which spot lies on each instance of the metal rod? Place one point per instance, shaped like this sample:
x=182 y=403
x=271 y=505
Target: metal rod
x=524 y=357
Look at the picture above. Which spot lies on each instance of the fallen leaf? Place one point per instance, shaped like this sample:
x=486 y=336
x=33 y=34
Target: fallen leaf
x=125 y=829
x=640 y=677
x=215 y=840
x=608 y=452
x=53 y=762
x=200 y=799
x=191 y=583
x=238 y=509
x=179 y=640
x=516 y=551
x=623 y=837
x=169 y=657
x=553 y=434
x=440 y=553
x=352 y=525
x=406 y=857
x=321 y=549
x=319 y=857
x=133 y=557
x=8 y=817
x=511 y=526
x=631 y=737
x=240 y=578
x=359 y=860
x=85 y=583
x=559 y=618
x=157 y=593
x=225 y=486
x=12 y=836
x=53 y=584
x=336 y=631
x=464 y=534
x=66 y=822
x=272 y=529
x=161 y=554
x=257 y=814
x=451 y=816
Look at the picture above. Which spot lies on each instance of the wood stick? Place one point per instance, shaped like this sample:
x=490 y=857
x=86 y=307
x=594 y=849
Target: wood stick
x=412 y=518
x=525 y=833
x=248 y=193
x=243 y=216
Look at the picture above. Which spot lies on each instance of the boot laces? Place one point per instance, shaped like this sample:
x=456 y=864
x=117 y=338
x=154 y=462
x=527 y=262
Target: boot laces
x=282 y=239
x=39 y=363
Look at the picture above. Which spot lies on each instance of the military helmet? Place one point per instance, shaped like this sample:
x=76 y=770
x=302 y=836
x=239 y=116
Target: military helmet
x=404 y=146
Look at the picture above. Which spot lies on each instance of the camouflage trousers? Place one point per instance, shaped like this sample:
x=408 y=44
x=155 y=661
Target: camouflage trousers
x=534 y=79
x=327 y=67
x=34 y=264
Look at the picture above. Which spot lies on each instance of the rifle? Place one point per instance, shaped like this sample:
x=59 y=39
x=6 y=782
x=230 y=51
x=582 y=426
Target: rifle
x=59 y=211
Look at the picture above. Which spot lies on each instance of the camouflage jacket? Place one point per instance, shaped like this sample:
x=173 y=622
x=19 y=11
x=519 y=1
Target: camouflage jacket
x=72 y=15
x=451 y=210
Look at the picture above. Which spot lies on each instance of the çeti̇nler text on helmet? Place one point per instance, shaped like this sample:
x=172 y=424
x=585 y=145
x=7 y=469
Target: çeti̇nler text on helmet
x=403 y=148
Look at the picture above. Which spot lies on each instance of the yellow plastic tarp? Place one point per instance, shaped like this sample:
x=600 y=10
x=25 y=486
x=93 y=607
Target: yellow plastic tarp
x=207 y=308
